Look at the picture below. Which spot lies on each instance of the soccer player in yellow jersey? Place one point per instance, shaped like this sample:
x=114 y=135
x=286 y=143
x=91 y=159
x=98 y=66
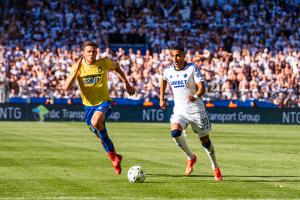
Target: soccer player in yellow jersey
x=91 y=75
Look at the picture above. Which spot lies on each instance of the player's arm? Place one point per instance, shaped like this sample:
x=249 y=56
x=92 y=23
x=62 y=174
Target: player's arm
x=122 y=76
x=163 y=86
x=73 y=75
x=200 y=92
x=199 y=80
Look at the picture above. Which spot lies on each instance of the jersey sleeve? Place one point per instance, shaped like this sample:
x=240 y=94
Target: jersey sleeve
x=197 y=75
x=73 y=69
x=164 y=74
x=109 y=65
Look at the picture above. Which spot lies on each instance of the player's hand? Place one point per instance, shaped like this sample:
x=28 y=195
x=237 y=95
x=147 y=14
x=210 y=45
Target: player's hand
x=192 y=99
x=130 y=89
x=162 y=104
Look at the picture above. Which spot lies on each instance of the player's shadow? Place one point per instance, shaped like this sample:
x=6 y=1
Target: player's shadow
x=176 y=175
x=261 y=178
x=238 y=178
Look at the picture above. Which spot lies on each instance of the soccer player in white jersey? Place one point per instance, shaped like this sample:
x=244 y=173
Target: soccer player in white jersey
x=187 y=85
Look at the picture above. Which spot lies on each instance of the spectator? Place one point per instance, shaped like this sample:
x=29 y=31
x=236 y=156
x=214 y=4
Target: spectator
x=260 y=63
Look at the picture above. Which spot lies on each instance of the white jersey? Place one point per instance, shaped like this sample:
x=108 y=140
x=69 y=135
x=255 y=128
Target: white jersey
x=183 y=84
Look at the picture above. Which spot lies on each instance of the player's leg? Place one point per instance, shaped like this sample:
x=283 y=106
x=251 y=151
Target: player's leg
x=98 y=123
x=202 y=127
x=176 y=132
x=177 y=124
x=210 y=151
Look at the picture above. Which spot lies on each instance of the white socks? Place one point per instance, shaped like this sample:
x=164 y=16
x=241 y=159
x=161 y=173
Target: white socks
x=210 y=151
x=208 y=147
x=180 y=141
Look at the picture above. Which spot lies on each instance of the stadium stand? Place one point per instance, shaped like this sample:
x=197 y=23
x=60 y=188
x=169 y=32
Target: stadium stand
x=248 y=51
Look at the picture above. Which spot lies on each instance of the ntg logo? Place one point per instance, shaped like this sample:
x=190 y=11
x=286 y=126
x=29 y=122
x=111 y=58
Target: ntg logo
x=40 y=111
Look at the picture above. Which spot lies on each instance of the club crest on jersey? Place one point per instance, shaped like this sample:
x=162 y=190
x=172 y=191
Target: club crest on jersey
x=99 y=69
x=185 y=75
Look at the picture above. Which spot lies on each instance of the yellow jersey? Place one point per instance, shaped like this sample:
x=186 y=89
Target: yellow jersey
x=92 y=81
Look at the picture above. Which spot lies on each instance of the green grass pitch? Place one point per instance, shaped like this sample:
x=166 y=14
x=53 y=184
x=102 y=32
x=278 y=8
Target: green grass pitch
x=66 y=161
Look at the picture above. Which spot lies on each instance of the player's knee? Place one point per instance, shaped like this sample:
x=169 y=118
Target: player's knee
x=94 y=122
x=176 y=133
x=97 y=124
x=206 y=144
x=204 y=139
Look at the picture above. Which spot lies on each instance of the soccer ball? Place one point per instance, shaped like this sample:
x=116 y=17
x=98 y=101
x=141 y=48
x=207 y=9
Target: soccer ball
x=136 y=174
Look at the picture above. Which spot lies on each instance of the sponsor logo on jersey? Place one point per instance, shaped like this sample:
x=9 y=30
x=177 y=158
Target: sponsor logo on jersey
x=178 y=83
x=91 y=80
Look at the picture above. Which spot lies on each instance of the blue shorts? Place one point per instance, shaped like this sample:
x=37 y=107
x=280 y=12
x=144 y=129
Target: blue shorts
x=89 y=111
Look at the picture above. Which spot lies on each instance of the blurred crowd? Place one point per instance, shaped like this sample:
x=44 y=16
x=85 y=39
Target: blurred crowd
x=245 y=49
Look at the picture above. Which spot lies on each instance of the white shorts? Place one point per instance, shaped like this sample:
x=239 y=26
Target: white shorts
x=199 y=122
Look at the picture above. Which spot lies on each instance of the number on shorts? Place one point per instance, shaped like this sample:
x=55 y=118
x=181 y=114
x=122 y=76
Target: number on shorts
x=205 y=123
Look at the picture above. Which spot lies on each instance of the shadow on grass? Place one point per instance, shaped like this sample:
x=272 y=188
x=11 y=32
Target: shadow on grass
x=176 y=175
x=261 y=178
x=239 y=178
x=156 y=182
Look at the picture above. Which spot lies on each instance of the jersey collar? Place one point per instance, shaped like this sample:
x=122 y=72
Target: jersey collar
x=185 y=64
